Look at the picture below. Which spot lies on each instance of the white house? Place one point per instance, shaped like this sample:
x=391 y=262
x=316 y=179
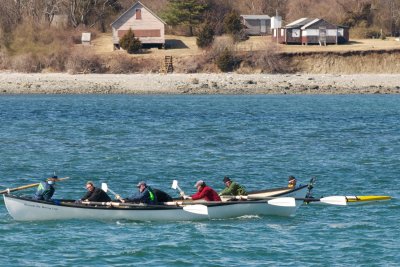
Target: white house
x=146 y=26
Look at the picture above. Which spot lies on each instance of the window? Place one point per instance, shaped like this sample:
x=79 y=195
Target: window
x=138 y=13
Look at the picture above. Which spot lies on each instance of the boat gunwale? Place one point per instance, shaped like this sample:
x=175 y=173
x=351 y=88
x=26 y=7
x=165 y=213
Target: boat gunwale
x=134 y=206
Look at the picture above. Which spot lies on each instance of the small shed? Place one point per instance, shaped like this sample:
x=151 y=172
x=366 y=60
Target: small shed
x=86 y=38
x=257 y=24
x=146 y=26
x=311 y=31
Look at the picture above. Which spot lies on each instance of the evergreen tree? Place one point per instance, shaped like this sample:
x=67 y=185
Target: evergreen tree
x=185 y=12
x=232 y=23
x=130 y=43
x=206 y=36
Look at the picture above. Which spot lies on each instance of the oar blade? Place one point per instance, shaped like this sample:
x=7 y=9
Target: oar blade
x=174 y=184
x=196 y=209
x=334 y=200
x=104 y=187
x=283 y=202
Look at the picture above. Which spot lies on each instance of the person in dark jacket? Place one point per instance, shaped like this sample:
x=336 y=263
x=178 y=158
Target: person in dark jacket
x=144 y=195
x=232 y=188
x=45 y=189
x=95 y=194
x=204 y=192
x=161 y=195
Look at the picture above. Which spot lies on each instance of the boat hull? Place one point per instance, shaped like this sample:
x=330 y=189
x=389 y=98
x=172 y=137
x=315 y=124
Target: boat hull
x=23 y=209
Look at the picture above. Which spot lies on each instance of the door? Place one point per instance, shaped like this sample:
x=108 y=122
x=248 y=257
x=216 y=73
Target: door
x=322 y=36
x=263 y=26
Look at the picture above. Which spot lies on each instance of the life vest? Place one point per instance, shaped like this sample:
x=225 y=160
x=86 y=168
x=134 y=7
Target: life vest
x=152 y=196
x=44 y=191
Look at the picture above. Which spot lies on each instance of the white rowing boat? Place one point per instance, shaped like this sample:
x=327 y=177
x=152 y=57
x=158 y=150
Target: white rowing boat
x=26 y=209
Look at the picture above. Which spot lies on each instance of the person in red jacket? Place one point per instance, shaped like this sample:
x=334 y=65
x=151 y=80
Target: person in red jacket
x=204 y=192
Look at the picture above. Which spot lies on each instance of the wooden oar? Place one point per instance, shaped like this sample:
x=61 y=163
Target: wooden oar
x=9 y=190
x=291 y=201
x=176 y=186
x=105 y=188
x=193 y=208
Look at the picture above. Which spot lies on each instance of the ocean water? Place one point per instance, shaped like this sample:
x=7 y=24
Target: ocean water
x=351 y=143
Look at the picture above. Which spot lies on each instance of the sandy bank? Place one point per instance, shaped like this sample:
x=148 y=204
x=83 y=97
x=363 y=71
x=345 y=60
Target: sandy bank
x=61 y=83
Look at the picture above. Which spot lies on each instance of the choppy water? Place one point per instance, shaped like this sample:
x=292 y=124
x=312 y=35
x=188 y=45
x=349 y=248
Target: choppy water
x=350 y=143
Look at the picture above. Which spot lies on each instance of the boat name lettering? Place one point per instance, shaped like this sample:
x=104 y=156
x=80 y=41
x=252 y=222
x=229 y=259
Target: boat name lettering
x=40 y=206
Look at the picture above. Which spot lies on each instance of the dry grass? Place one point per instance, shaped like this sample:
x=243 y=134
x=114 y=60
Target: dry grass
x=265 y=60
x=353 y=45
x=26 y=63
x=258 y=54
x=4 y=59
x=180 y=46
x=38 y=50
x=82 y=60
x=352 y=62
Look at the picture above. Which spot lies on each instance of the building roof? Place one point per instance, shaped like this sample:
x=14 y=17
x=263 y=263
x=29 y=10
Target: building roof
x=304 y=23
x=132 y=7
x=299 y=23
x=246 y=17
x=310 y=23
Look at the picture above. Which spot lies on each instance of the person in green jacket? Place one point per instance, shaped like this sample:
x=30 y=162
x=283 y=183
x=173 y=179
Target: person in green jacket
x=232 y=188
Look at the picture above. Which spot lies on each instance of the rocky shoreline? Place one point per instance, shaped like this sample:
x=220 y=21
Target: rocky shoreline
x=201 y=83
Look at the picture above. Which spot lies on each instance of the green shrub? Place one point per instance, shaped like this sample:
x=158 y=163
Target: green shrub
x=205 y=37
x=129 y=43
x=226 y=61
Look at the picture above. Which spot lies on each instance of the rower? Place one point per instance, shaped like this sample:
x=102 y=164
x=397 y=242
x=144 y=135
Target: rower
x=203 y=192
x=46 y=189
x=145 y=195
x=291 y=182
x=94 y=194
x=232 y=188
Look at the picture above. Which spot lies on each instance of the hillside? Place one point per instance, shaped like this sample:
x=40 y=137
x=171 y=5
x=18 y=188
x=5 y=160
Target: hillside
x=186 y=46
x=358 y=56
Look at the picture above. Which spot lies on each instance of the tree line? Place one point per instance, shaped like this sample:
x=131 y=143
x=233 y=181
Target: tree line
x=380 y=14
x=29 y=43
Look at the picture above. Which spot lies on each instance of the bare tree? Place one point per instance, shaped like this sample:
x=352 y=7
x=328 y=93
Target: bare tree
x=52 y=8
x=8 y=20
x=89 y=12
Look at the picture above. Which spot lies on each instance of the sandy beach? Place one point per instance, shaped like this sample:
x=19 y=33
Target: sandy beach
x=227 y=83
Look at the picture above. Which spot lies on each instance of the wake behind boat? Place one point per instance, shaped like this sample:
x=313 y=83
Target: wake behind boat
x=285 y=204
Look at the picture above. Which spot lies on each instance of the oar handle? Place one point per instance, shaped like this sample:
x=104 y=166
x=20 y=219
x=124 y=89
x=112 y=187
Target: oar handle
x=115 y=194
x=120 y=204
x=8 y=190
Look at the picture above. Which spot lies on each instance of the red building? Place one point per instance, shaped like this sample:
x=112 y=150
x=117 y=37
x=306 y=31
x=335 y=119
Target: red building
x=311 y=31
